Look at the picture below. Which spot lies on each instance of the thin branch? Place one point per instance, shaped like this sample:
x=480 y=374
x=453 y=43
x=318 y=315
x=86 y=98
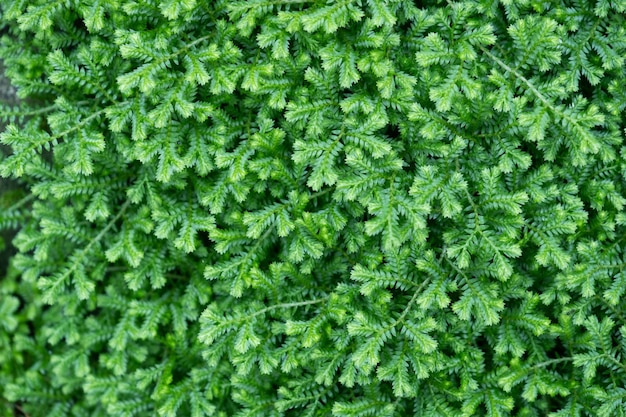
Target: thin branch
x=22 y=201
x=85 y=251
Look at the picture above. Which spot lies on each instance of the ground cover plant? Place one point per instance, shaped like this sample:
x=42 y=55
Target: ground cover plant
x=314 y=208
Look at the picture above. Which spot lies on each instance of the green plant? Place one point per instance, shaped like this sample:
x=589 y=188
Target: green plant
x=316 y=208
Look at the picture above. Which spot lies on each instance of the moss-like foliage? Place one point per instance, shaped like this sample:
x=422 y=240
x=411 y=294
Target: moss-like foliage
x=315 y=208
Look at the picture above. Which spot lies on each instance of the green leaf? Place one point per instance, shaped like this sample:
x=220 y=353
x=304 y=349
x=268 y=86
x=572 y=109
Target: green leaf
x=332 y=17
x=8 y=307
x=479 y=300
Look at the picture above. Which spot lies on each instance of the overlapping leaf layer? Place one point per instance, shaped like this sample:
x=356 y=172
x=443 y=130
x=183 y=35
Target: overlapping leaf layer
x=315 y=208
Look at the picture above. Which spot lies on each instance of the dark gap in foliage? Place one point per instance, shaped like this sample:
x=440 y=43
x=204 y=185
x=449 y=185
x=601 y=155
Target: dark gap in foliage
x=392 y=131
x=454 y=296
x=489 y=358
x=531 y=149
x=203 y=236
x=151 y=24
x=79 y=25
x=585 y=87
x=433 y=224
x=179 y=373
x=19 y=410
x=274 y=249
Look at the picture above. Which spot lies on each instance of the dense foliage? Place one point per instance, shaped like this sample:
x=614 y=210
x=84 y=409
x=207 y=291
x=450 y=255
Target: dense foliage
x=315 y=208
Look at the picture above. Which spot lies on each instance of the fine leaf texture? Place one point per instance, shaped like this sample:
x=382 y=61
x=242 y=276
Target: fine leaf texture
x=314 y=208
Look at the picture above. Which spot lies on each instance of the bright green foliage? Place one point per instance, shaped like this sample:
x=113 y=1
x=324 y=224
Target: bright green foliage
x=315 y=208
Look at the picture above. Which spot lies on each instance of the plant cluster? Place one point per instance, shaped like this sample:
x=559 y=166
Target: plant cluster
x=341 y=208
